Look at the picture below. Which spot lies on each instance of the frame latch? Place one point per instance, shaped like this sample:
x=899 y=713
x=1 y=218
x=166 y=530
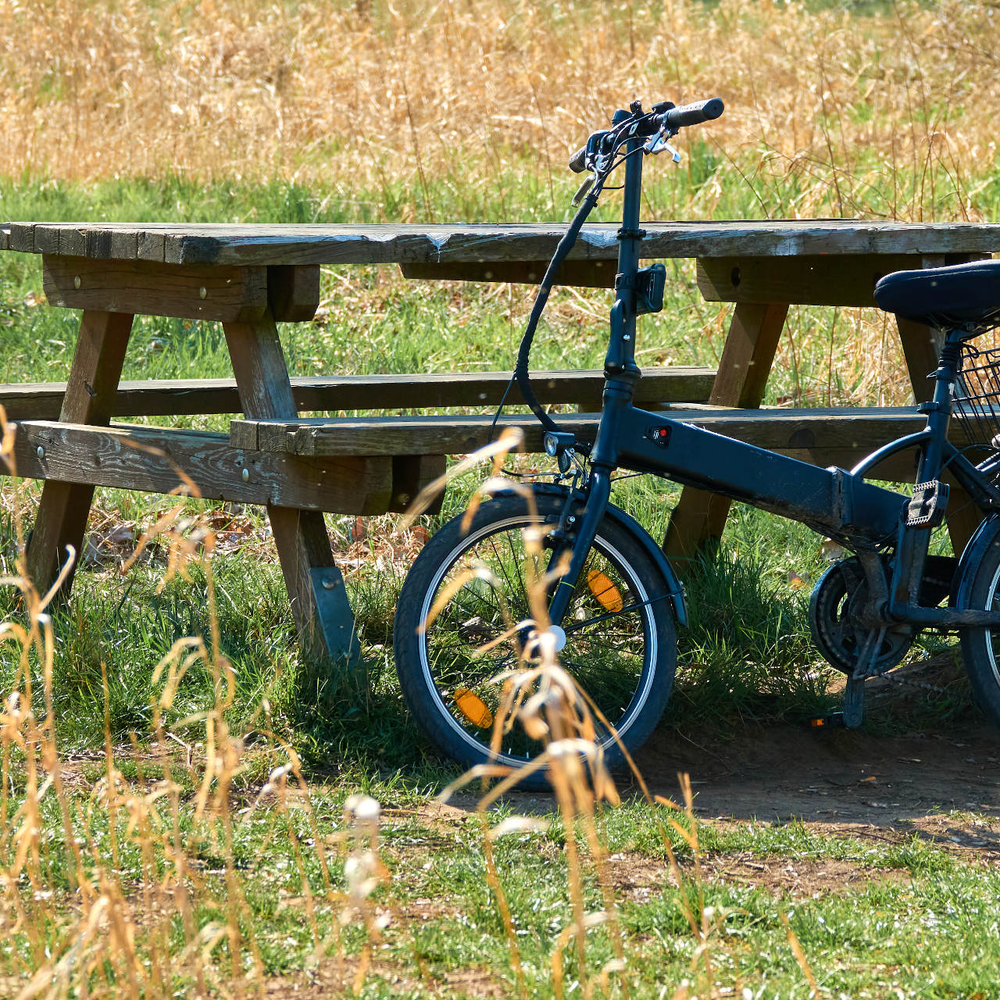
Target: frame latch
x=648 y=284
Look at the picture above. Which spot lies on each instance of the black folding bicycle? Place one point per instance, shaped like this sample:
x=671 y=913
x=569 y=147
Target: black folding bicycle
x=616 y=599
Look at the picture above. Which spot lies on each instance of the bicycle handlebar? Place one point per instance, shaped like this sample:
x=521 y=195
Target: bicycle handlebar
x=693 y=114
x=671 y=120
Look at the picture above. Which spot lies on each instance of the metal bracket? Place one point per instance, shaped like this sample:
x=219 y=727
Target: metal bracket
x=336 y=620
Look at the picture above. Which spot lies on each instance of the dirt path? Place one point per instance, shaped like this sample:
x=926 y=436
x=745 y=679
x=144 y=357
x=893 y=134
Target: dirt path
x=844 y=776
x=837 y=776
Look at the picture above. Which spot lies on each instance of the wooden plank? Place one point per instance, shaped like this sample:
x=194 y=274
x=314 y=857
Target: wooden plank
x=575 y=273
x=90 y=390
x=815 y=280
x=747 y=356
x=259 y=364
x=315 y=586
x=170 y=397
x=410 y=474
x=124 y=245
x=243 y=245
x=229 y=294
x=851 y=430
x=158 y=460
x=47 y=241
x=293 y=293
x=73 y=243
x=22 y=236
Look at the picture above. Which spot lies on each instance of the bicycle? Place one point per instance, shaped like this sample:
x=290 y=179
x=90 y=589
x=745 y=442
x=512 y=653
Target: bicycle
x=614 y=600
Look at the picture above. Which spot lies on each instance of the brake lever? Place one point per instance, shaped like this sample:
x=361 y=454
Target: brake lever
x=582 y=190
x=660 y=143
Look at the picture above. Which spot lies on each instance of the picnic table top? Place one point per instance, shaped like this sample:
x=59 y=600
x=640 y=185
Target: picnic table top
x=261 y=245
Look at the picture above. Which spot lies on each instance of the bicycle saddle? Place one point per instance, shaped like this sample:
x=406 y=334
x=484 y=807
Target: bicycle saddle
x=960 y=297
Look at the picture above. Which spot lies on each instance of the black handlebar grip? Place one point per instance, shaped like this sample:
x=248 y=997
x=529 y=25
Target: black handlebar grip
x=693 y=114
x=578 y=161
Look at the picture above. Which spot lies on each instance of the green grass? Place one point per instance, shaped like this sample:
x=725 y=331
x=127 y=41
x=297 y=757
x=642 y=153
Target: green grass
x=915 y=921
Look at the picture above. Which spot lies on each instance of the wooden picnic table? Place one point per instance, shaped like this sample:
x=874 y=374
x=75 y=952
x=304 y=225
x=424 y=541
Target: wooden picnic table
x=249 y=277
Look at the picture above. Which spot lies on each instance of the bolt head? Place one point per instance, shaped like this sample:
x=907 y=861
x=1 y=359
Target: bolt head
x=40 y=451
x=245 y=475
x=203 y=292
x=77 y=281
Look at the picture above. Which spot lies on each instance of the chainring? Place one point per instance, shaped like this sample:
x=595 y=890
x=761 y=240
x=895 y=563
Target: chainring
x=837 y=601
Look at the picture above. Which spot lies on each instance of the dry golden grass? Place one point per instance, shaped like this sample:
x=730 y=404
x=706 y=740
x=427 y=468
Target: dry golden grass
x=363 y=94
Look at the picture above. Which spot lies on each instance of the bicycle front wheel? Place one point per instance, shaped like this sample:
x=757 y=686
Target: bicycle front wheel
x=620 y=639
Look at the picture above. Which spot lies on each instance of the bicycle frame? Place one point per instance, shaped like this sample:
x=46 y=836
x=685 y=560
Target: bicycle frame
x=868 y=519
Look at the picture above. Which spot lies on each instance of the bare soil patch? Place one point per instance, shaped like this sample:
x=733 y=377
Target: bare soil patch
x=335 y=979
x=640 y=878
x=827 y=775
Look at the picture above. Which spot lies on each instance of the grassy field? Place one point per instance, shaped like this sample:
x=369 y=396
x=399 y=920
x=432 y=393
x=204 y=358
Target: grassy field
x=184 y=816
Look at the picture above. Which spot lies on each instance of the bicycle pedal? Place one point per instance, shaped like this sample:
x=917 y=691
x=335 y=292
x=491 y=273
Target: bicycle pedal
x=835 y=720
x=926 y=508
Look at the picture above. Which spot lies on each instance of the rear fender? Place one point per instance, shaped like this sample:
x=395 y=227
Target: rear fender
x=675 y=592
x=986 y=536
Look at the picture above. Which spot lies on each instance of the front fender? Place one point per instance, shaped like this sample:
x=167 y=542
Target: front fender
x=673 y=585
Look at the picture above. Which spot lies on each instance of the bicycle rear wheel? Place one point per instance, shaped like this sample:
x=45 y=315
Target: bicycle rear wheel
x=620 y=638
x=981 y=646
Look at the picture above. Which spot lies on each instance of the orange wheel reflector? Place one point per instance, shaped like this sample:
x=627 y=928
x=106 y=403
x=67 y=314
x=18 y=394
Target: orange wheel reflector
x=607 y=594
x=473 y=708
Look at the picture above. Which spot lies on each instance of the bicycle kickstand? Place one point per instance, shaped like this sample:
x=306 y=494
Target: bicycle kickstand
x=854 y=692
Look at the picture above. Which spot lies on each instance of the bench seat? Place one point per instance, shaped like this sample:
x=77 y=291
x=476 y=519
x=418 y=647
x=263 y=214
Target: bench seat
x=837 y=436
x=161 y=398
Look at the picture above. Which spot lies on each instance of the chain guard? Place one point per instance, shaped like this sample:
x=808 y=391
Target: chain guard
x=837 y=604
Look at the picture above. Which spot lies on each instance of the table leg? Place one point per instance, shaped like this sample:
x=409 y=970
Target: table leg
x=743 y=370
x=89 y=399
x=315 y=584
x=921 y=346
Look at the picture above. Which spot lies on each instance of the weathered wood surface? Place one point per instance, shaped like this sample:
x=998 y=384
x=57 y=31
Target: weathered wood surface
x=293 y=292
x=90 y=390
x=162 y=397
x=158 y=460
x=598 y=273
x=314 y=583
x=228 y=294
x=824 y=436
x=252 y=245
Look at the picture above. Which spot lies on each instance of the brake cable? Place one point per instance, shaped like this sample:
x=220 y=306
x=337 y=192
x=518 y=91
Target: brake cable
x=566 y=243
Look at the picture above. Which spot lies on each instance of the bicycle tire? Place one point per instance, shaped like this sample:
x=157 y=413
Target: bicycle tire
x=638 y=639
x=981 y=646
